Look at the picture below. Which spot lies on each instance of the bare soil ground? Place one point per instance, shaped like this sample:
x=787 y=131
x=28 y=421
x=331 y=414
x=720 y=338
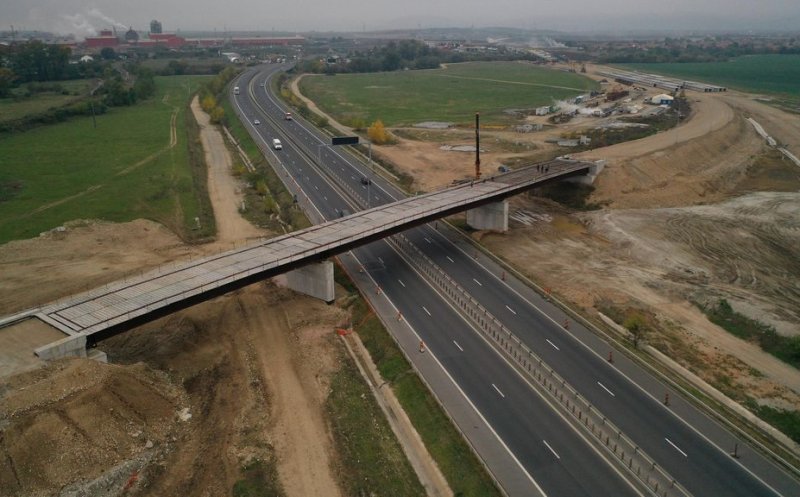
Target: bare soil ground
x=251 y=369
x=693 y=214
x=224 y=395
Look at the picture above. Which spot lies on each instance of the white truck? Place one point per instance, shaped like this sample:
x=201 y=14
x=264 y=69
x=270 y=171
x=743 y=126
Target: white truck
x=276 y=144
x=235 y=90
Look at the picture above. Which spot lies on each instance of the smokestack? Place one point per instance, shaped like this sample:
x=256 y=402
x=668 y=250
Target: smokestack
x=477 y=146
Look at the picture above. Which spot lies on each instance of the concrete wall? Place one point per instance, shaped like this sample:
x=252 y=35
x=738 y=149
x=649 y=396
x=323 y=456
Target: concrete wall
x=315 y=280
x=489 y=217
x=72 y=346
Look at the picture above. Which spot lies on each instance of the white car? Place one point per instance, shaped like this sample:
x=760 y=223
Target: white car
x=256 y=122
x=276 y=144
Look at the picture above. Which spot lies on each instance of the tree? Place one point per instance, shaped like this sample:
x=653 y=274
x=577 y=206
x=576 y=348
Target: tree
x=377 y=133
x=108 y=53
x=635 y=324
x=7 y=79
x=217 y=115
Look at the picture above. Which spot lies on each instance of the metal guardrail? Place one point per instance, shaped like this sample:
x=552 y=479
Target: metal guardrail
x=605 y=434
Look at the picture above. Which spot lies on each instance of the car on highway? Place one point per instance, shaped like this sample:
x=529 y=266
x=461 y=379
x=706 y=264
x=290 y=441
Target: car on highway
x=276 y=144
x=256 y=122
x=287 y=116
x=365 y=181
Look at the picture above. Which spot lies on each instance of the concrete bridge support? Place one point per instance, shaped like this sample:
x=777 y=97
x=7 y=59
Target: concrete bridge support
x=489 y=217
x=594 y=172
x=315 y=280
x=71 y=346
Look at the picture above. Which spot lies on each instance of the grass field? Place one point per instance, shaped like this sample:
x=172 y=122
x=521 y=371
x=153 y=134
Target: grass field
x=453 y=94
x=774 y=74
x=11 y=108
x=122 y=170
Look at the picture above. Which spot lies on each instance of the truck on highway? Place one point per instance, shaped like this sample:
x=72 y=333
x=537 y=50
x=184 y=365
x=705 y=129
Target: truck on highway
x=276 y=144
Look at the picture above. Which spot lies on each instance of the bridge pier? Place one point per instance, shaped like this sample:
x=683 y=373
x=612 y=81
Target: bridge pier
x=315 y=280
x=492 y=216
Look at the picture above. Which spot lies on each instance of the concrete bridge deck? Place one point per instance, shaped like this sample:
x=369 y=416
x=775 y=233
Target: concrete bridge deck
x=119 y=306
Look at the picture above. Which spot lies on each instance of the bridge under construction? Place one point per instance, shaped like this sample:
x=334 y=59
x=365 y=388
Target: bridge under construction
x=105 y=311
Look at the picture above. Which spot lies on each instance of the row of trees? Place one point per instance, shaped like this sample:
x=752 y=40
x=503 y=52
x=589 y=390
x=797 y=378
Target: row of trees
x=35 y=61
x=405 y=54
x=691 y=52
x=211 y=91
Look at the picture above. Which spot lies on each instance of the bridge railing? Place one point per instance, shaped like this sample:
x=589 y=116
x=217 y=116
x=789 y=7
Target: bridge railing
x=608 y=437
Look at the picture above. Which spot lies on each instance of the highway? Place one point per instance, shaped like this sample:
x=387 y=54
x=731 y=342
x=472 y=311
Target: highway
x=545 y=448
x=689 y=445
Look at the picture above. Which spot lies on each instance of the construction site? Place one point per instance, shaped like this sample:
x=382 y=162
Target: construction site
x=238 y=388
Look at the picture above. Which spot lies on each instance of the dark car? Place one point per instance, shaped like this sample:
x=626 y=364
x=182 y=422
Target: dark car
x=365 y=181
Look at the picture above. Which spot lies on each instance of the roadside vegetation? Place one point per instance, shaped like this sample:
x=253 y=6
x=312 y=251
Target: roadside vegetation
x=451 y=94
x=127 y=167
x=463 y=471
x=787 y=349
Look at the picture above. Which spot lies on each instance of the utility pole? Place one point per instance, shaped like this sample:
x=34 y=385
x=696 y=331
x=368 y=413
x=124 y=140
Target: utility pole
x=477 y=146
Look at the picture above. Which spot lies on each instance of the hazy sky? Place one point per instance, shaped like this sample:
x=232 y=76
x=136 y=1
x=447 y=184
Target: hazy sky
x=83 y=17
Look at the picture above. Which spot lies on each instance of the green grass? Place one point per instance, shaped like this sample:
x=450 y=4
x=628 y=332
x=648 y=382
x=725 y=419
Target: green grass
x=16 y=108
x=452 y=94
x=464 y=473
x=784 y=348
x=71 y=170
x=372 y=460
x=259 y=479
x=774 y=74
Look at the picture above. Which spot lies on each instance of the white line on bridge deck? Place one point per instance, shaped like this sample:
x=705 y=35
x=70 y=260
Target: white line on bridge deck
x=426 y=310
x=459 y=346
x=449 y=259
x=478 y=282
x=401 y=283
x=512 y=310
x=552 y=344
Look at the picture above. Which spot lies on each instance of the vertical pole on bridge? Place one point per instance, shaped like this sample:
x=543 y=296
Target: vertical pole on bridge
x=477 y=146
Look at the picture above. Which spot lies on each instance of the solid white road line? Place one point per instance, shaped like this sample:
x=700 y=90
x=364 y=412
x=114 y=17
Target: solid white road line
x=498 y=390
x=449 y=259
x=512 y=310
x=675 y=447
x=551 y=449
x=606 y=389
x=426 y=310
x=401 y=283
x=459 y=346
x=552 y=344
x=478 y=282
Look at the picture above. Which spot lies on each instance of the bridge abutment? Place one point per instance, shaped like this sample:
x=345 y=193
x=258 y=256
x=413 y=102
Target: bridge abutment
x=588 y=179
x=492 y=216
x=315 y=280
x=71 y=346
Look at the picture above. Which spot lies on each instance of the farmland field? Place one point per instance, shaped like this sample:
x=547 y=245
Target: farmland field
x=11 y=108
x=126 y=168
x=453 y=93
x=774 y=74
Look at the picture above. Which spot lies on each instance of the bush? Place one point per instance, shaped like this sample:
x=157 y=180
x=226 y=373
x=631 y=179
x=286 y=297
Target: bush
x=378 y=134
